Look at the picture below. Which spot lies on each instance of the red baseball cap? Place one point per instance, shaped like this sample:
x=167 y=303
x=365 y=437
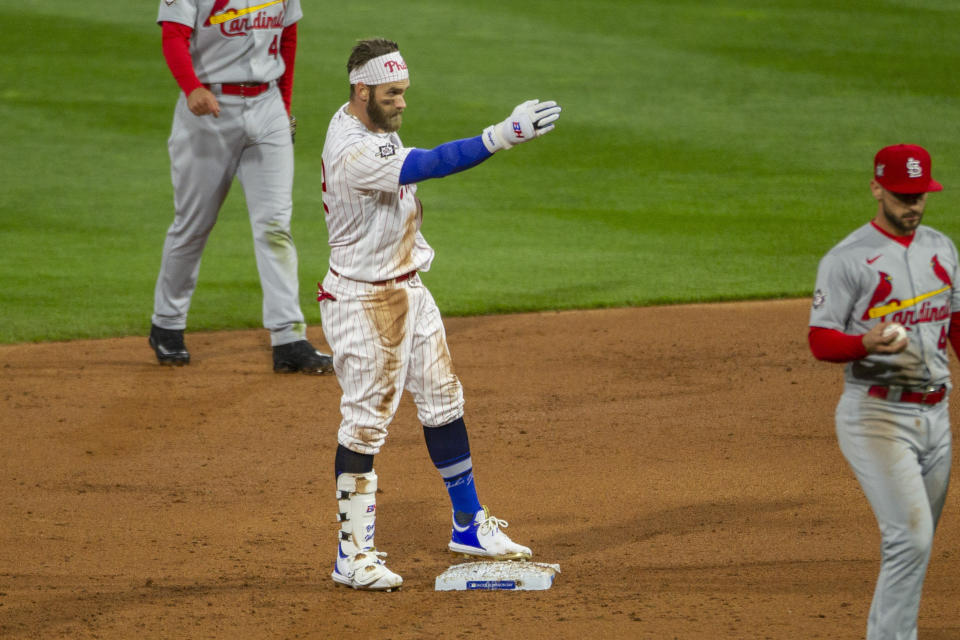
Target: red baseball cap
x=904 y=168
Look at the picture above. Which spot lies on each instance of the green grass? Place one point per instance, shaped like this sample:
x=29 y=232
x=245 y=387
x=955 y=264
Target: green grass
x=707 y=151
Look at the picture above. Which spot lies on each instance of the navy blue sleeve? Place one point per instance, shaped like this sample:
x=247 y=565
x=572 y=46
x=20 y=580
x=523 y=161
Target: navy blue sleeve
x=449 y=157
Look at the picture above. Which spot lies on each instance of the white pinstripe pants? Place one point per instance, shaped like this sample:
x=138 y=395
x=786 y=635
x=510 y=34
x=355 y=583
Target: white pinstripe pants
x=387 y=338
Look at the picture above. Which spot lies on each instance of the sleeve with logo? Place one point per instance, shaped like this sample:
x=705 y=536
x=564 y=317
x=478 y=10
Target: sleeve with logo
x=374 y=163
x=835 y=294
x=180 y=11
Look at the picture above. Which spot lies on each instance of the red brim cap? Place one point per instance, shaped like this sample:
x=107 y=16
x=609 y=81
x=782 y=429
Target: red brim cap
x=911 y=186
x=904 y=168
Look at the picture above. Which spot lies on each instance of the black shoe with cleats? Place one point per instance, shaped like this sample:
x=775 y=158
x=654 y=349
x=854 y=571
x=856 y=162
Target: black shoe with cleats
x=168 y=345
x=300 y=356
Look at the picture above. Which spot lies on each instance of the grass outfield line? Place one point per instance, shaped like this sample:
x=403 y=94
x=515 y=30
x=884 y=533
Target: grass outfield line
x=707 y=151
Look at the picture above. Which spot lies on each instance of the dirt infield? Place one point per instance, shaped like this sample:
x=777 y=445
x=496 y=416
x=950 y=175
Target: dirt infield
x=678 y=463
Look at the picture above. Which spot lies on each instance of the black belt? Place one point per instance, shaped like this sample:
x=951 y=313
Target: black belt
x=931 y=395
x=381 y=283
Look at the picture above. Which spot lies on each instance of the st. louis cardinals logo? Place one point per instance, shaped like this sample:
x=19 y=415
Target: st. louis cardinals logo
x=881 y=306
x=238 y=22
x=914 y=170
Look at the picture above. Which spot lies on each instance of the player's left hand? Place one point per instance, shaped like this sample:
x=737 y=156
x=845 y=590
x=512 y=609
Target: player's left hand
x=293 y=128
x=529 y=120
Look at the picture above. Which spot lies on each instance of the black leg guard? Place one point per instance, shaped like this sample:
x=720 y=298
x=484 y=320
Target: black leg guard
x=351 y=462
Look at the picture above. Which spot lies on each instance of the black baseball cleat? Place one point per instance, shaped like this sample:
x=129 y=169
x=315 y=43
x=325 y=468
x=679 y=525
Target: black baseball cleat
x=168 y=345
x=300 y=356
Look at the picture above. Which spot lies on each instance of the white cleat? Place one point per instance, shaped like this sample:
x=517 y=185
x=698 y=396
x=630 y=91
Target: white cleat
x=483 y=538
x=365 y=570
x=359 y=565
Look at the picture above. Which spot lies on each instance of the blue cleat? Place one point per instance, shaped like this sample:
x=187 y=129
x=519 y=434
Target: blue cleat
x=483 y=538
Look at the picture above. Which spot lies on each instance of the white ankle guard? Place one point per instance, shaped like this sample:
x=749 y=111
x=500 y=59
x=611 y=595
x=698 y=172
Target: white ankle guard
x=357 y=503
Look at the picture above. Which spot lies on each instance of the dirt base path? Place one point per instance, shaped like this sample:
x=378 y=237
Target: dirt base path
x=678 y=463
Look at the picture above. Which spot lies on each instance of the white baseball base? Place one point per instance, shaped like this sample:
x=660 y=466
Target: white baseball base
x=497 y=576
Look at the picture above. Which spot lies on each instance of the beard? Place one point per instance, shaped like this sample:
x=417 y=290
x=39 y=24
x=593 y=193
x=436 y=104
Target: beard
x=906 y=227
x=380 y=119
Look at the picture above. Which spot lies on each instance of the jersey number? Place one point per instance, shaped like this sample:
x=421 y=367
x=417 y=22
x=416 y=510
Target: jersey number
x=942 y=342
x=274 y=49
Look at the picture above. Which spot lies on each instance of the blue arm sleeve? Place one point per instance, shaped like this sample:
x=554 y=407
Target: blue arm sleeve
x=450 y=157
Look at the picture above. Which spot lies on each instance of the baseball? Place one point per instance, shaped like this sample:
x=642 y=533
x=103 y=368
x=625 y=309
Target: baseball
x=897 y=330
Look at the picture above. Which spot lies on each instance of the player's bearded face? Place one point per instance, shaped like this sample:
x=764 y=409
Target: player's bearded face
x=904 y=211
x=386 y=104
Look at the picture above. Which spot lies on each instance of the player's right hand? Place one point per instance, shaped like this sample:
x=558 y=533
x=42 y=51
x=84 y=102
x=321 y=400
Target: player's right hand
x=875 y=342
x=202 y=102
x=529 y=120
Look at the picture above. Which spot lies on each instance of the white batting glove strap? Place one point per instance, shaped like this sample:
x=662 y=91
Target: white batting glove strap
x=529 y=120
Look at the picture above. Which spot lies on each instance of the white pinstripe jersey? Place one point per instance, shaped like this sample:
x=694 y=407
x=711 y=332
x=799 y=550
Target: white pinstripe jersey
x=234 y=41
x=373 y=222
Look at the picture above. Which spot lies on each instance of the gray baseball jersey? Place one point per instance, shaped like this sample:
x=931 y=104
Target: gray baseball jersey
x=893 y=419
x=869 y=278
x=234 y=40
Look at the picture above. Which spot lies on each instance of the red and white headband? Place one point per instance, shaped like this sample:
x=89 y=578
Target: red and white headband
x=386 y=68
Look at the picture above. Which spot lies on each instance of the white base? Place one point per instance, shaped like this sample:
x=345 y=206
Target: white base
x=497 y=576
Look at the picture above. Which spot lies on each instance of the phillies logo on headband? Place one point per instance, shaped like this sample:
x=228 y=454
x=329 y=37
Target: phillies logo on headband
x=389 y=67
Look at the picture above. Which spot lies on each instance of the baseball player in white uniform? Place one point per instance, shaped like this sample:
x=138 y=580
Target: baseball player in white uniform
x=380 y=320
x=233 y=59
x=892 y=419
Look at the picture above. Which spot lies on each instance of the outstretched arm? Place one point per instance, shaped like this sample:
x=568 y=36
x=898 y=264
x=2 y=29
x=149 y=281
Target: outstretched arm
x=450 y=157
x=529 y=120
